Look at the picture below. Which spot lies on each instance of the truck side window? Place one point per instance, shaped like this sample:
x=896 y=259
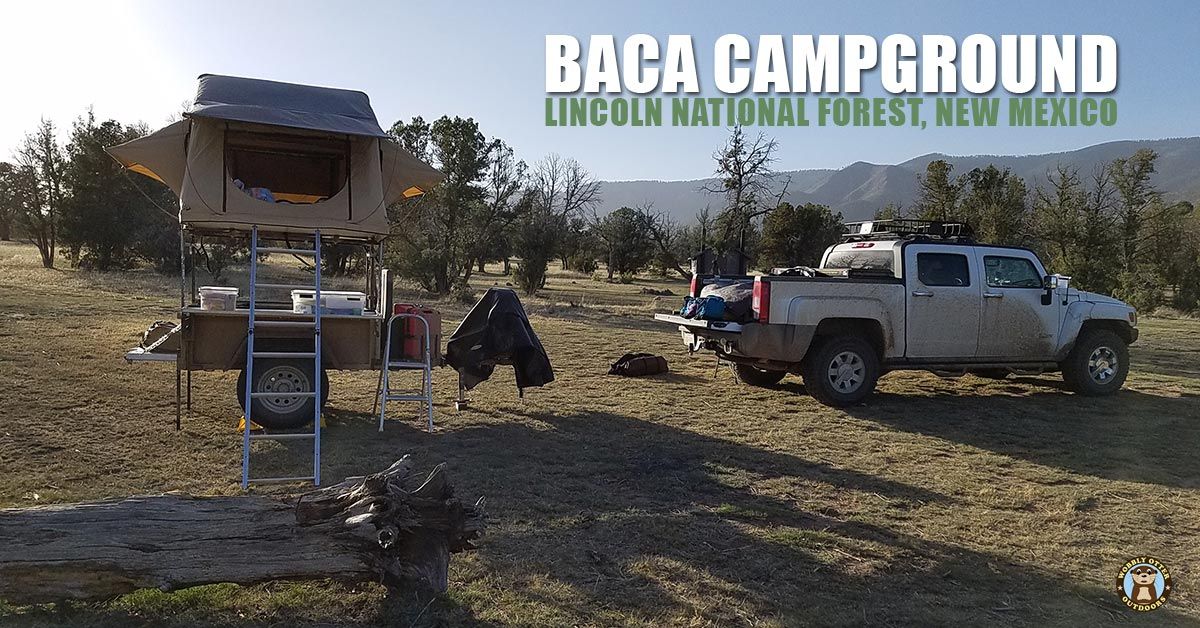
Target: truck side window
x=943 y=269
x=1010 y=272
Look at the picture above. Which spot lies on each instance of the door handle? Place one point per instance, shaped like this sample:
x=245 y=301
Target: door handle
x=993 y=295
x=922 y=293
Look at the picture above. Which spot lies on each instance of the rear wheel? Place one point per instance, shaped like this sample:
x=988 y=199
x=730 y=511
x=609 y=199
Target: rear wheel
x=283 y=410
x=1097 y=364
x=757 y=377
x=840 y=371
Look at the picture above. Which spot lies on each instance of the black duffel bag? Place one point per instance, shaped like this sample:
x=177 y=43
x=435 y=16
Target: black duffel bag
x=639 y=364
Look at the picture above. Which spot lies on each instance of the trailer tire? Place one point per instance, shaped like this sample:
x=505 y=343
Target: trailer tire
x=282 y=375
x=840 y=370
x=1097 y=364
x=755 y=376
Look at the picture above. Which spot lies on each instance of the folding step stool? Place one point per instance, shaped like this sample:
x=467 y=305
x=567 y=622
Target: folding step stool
x=384 y=393
x=314 y=355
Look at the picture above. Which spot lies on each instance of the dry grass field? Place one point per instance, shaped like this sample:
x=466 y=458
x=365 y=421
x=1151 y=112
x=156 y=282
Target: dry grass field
x=684 y=499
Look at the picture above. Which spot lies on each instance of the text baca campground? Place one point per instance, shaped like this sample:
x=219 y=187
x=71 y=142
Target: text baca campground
x=807 y=80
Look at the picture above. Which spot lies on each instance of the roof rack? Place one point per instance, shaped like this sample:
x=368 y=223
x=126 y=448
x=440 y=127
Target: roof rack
x=905 y=228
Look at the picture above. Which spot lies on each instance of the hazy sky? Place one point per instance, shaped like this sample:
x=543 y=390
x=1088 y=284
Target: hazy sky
x=139 y=61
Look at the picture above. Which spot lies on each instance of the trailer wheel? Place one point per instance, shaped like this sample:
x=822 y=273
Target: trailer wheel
x=840 y=371
x=282 y=376
x=757 y=377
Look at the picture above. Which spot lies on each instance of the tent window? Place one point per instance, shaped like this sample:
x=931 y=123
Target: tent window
x=290 y=169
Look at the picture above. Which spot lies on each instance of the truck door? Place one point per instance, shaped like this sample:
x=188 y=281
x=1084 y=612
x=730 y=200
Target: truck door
x=943 y=298
x=1014 y=323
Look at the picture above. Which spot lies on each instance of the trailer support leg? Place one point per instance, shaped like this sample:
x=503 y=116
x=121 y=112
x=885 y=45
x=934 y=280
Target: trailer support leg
x=461 y=402
x=178 y=397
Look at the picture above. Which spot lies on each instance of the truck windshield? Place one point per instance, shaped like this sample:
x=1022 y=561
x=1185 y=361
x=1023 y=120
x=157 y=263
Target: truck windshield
x=860 y=260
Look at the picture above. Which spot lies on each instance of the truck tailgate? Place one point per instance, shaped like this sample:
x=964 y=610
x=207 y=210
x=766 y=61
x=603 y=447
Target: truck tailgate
x=693 y=323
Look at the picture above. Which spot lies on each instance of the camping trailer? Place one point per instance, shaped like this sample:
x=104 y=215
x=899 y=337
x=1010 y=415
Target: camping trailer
x=292 y=168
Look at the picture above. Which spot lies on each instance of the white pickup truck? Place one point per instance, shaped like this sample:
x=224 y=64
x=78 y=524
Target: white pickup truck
x=899 y=295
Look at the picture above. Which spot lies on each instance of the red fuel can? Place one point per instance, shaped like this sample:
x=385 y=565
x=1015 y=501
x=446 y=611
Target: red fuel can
x=411 y=345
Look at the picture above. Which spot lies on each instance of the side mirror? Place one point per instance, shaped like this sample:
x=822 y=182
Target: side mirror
x=1050 y=284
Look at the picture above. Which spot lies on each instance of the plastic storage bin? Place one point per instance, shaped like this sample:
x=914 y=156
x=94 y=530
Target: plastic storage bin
x=218 y=298
x=332 y=302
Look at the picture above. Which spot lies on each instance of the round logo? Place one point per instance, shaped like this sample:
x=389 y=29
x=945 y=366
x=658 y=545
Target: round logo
x=1144 y=583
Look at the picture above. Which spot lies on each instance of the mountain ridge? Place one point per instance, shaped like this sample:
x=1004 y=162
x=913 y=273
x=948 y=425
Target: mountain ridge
x=860 y=188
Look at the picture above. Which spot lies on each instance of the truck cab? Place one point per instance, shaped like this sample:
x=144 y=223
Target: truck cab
x=896 y=295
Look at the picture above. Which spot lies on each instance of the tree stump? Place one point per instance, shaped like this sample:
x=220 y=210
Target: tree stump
x=368 y=528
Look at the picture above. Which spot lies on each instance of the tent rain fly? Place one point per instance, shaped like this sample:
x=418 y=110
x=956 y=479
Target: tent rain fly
x=287 y=158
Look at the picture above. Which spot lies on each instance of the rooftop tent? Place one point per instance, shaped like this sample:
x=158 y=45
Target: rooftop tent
x=288 y=158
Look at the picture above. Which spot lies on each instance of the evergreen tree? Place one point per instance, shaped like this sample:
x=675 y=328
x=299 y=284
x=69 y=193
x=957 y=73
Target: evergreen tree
x=798 y=235
x=939 y=194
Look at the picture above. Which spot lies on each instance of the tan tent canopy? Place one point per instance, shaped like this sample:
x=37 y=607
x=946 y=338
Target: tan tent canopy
x=287 y=158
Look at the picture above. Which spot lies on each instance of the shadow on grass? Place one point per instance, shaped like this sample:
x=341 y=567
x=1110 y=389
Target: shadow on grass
x=605 y=519
x=1110 y=437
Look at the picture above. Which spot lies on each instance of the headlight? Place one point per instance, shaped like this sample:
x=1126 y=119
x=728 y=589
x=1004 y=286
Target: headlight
x=1133 y=317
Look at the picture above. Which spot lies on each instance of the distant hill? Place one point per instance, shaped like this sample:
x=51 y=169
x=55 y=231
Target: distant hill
x=861 y=188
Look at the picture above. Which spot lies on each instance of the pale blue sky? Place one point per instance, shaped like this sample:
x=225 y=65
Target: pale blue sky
x=139 y=61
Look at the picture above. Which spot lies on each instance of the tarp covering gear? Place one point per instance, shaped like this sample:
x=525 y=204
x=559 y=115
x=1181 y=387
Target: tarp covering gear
x=318 y=152
x=639 y=364
x=497 y=331
x=738 y=299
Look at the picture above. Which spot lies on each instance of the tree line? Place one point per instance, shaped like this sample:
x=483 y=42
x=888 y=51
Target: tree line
x=1110 y=229
x=74 y=200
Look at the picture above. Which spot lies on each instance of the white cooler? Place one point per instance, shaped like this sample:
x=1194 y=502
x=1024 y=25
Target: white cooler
x=332 y=302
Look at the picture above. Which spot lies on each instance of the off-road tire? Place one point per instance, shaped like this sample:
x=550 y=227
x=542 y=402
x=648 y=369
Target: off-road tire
x=755 y=376
x=822 y=383
x=282 y=414
x=1087 y=378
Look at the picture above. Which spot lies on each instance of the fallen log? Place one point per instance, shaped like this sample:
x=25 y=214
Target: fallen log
x=369 y=528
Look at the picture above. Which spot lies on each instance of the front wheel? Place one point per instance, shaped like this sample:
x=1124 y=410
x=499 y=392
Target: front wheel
x=290 y=382
x=841 y=371
x=1097 y=364
x=757 y=377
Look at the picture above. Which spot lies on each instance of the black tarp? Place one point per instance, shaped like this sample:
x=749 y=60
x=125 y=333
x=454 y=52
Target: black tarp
x=497 y=331
x=326 y=109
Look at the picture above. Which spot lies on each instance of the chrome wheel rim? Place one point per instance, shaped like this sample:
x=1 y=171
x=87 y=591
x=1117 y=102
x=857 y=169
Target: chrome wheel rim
x=284 y=379
x=1103 y=365
x=846 y=372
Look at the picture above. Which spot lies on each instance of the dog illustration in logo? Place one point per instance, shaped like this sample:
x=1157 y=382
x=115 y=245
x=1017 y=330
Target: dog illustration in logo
x=1144 y=590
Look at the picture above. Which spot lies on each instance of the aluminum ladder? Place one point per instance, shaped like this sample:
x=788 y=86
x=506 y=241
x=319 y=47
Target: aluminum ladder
x=384 y=392
x=258 y=323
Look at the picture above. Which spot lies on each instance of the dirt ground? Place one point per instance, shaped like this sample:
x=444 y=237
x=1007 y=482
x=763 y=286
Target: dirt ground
x=684 y=499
